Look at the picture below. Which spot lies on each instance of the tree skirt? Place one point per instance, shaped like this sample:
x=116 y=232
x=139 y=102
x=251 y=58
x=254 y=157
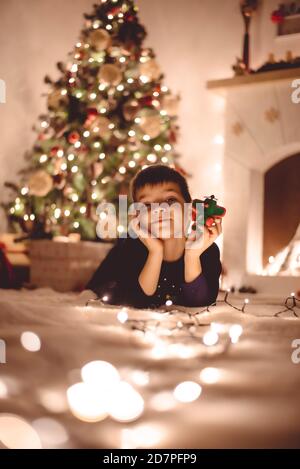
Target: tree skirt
x=181 y=378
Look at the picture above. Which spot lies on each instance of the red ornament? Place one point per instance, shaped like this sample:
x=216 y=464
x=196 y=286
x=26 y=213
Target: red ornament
x=277 y=17
x=173 y=136
x=114 y=11
x=146 y=101
x=73 y=137
x=129 y=17
x=54 y=150
x=92 y=113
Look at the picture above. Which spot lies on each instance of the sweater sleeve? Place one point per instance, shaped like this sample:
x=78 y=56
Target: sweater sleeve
x=117 y=275
x=129 y=285
x=203 y=290
x=104 y=279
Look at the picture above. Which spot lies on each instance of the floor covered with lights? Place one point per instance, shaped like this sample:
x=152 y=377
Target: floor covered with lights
x=101 y=376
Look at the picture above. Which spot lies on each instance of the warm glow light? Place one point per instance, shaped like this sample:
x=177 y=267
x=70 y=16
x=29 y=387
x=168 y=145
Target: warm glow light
x=217 y=327
x=163 y=401
x=100 y=372
x=3 y=389
x=160 y=348
x=30 y=341
x=210 y=338
x=122 y=315
x=141 y=436
x=126 y=404
x=57 y=213
x=16 y=433
x=24 y=190
x=139 y=377
x=210 y=375
x=87 y=402
x=235 y=332
x=54 y=401
x=187 y=391
x=51 y=432
x=152 y=157
x=43 y=158
x=181 y=350
x=218 y=139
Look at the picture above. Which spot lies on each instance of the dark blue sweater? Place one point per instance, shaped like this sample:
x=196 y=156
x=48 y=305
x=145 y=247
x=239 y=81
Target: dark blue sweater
x=117 y=277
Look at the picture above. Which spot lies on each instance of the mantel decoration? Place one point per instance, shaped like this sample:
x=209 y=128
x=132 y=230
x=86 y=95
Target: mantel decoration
x=248 y=8
x=287 y=18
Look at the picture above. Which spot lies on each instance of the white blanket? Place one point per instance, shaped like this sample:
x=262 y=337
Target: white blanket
x=254 y=401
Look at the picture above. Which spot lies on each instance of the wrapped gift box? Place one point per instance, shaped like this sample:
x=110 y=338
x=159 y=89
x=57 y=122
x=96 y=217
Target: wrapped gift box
x=65 y=266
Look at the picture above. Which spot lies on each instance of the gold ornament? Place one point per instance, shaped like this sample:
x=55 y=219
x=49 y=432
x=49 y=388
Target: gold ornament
x=56 y=99
x=130 y=109
x=100 y=39
x=100 y=126
x=151 y=125
x=150 y=69
x=110 y=74
x=40 y=183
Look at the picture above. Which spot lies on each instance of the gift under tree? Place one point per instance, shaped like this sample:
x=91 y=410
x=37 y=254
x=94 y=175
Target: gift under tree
x=109 y=115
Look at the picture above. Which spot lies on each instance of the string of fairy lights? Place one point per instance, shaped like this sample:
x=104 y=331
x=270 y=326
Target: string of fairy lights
x=291 y=304
x=206 y=337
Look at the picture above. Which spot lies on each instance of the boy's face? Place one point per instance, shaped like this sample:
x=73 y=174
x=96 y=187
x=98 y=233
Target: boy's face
x=165 y=218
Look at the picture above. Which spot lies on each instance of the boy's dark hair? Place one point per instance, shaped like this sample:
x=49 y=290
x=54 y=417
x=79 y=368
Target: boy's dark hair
x=157 y=174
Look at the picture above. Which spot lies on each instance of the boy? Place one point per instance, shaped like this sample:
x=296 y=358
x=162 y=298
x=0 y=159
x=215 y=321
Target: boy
x=162 y=262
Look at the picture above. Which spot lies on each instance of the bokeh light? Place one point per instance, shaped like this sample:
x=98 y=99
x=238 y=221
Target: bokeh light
x=187 y=391
x=126 y=404
x=100 y=373
x=16 y=433
x=87 y=403
x=51 y=432
x=210 y=375
x=30 y=341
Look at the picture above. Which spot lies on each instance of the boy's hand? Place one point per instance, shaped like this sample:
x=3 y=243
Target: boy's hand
x=154 y=245
x=196 y=245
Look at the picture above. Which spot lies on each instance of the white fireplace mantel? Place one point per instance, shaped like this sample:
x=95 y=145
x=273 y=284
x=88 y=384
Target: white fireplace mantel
x=262 y=127
x=253 y=79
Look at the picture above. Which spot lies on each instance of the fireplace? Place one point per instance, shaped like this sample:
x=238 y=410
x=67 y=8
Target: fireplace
x=261 y=177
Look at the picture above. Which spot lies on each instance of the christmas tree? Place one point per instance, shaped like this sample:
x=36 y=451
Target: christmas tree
x=109 y=115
